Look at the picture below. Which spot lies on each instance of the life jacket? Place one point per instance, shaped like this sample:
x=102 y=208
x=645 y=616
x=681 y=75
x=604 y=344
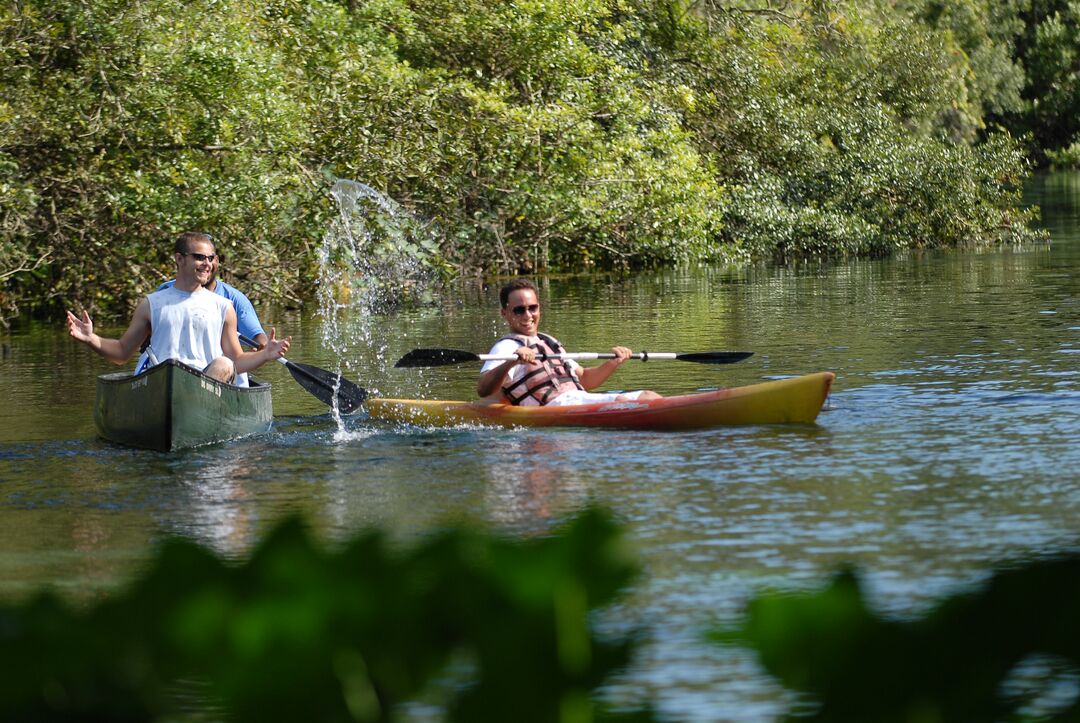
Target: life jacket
x=545 y=378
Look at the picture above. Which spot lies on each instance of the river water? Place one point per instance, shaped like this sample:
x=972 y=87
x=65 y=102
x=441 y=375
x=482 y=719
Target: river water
x=948 y=445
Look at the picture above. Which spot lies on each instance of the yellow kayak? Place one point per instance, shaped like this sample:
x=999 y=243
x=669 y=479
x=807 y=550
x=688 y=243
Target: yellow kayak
x=793 y=400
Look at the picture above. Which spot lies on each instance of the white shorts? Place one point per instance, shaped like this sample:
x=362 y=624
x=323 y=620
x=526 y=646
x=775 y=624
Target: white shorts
x=578 y=396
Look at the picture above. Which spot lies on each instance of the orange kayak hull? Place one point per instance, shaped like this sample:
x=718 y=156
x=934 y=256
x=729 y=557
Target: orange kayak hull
x=796 y=400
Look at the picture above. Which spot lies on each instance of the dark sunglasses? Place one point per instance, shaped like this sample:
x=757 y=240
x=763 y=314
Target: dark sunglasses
x=198 y=257
x=531 y=308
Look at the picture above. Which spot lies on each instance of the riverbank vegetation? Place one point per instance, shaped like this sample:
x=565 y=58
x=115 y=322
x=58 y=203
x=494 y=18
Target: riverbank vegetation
x=527 y=136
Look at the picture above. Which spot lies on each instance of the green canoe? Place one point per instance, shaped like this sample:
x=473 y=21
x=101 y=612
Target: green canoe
x=173 y=406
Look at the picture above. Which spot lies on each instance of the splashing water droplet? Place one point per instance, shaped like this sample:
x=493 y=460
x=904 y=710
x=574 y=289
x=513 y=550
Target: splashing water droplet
x=376 y=257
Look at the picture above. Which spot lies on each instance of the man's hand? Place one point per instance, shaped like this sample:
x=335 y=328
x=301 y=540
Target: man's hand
x=81 y=329
x=275 y=348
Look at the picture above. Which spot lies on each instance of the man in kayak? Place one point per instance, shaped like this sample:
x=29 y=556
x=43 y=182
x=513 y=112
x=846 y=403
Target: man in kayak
x=247 y=321
x=529 y=380
x=185 y=322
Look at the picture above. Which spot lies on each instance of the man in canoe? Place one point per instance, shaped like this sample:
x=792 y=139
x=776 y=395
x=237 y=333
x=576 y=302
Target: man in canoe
x=185 y=322
x=529 y=381
x=247 y=321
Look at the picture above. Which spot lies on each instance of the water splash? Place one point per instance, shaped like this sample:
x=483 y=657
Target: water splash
x=376 y=258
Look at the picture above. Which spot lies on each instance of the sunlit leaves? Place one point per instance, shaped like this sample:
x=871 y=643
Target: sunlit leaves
x=541 y=134
x=846 y=133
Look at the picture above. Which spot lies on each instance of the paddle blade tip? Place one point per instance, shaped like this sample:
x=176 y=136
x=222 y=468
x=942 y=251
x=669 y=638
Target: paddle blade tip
x=435 y=358
x=346 y=406
x=417 y=358
x=349 y=396
x=330 y=388
x=715 y=357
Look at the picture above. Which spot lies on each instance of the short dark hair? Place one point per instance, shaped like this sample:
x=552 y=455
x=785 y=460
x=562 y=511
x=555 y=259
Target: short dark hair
x=184 y=241
x=515 y=285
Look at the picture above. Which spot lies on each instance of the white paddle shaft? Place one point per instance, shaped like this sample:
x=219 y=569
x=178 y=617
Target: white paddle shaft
x=584 y=356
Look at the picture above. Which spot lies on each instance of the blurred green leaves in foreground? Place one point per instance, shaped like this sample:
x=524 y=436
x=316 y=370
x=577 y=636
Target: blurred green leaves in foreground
x=504 y=630
x=1008 y=651
x=301 y=634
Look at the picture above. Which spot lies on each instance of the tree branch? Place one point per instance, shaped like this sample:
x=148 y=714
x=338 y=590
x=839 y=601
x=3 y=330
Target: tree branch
x=23 y=268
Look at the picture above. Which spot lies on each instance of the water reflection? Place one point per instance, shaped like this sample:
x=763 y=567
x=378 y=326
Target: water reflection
x=533 y=478
x=216 y=497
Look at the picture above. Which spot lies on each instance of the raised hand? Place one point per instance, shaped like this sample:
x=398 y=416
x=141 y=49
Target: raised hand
x=275 y=347
x=80 y=329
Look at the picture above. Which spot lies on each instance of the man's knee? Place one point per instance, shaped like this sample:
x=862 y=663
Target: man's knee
x=222 y=369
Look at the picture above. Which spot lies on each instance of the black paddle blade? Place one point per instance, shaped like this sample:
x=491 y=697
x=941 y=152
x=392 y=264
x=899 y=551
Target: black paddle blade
x=435 y=358
x=715 y=357
x=325 y=385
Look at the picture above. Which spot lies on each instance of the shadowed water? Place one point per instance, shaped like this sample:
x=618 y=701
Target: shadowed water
x=948 y=445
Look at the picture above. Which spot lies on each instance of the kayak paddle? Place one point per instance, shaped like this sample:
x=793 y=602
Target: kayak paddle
x=443 y=357
x=323 y=385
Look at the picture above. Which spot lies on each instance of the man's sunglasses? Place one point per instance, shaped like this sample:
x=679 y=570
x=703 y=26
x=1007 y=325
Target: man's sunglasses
x=198 y=257
x=520 y=310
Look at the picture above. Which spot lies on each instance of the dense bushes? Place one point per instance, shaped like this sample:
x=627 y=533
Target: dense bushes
x=539 y=134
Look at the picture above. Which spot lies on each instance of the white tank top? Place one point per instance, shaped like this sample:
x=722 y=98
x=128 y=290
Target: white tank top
x=187 y=325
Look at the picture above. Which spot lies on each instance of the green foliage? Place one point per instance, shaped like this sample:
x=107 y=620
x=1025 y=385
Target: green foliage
x=956 y=663
x=1050 y=46
x=982 y=35
x=299 y=633
x=536 y=150
x=495 y=629
x=1065 y=157
x=846 y=140
x=1021 y=57
x=526 y=136
x=132 y=122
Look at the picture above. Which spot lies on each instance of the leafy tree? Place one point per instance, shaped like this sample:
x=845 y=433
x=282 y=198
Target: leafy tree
x=1053 y=88
x=1023 y=67
x=837 y=133
x=528 y=136
x=983 y=35
x=131 y=122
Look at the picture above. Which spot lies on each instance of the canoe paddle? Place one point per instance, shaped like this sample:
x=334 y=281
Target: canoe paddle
x=443 y=357
x=323 y=385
